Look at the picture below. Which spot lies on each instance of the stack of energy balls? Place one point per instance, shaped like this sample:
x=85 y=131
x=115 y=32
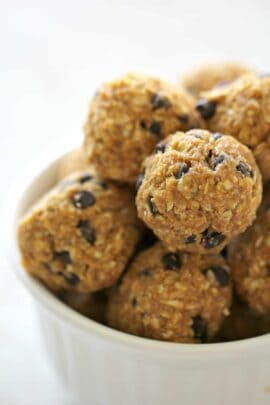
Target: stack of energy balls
x=161 y=212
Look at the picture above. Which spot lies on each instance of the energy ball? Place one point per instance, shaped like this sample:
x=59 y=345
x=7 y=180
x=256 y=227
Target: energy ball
x=210 y=75
x=92 y=305
x=249 y=257
x=242 y=110
x=80 y=235
x=198 y=190
x=171 y=296
x=127 y=117
x=73 y=162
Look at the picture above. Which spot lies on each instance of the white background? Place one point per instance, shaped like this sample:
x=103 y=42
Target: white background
x=53 y=55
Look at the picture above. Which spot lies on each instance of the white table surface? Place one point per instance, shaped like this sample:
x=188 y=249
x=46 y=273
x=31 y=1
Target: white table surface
x=53 y=55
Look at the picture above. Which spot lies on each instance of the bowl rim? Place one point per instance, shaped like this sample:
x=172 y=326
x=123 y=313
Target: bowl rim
x=53 y=154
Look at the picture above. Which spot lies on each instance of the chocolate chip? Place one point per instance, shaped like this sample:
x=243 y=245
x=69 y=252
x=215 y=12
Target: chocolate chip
x=152 y=205
x=206 y=108
x=160 y=147
x=155 y=128
x=171 y=261
x=217 y=136
x=103 y=184
x=63 y=257
x=72 y=279
x=221 y=275
x=85 y=178
x=212 y=239
x=87 y=231
x=183 y=169
x=184 y=118
x=83 y=199
x=224 y=253
x=139 y=180
x=145 y=273
x=212 y=161
x=134 y=302
x=218 y=160
x=244 y=169
x=190 y=239
x=159 y=102
x=143 y=124
x=199 y=328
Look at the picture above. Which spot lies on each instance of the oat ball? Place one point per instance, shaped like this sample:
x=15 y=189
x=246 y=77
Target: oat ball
x=73 y=162
x=92 y=305
x=127 y=117
x=172 y=297
x=80 y=235
x=210 y=75
x=249 y=257
x=242 y=323
x=198 y=190
x=242 y=110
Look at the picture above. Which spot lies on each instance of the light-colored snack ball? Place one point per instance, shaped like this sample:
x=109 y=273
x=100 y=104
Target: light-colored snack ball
x=249 y=257
x=92 y=305
x=127 y=117
x=73 y=162
x=242 y=323
x=171 y=296
x=242 y=110
x=208 y=75
x=198 y=190
x=80 y=235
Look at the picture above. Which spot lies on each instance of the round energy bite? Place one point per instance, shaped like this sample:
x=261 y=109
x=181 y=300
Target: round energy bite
x=80 y=235
x=242 y=109
x=198 y=190
x=173 y=297
x=210 y=75
x=249 y=257
x=127 y=117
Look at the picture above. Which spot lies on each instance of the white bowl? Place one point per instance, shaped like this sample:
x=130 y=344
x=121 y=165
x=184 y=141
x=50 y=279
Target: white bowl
x=103 y=366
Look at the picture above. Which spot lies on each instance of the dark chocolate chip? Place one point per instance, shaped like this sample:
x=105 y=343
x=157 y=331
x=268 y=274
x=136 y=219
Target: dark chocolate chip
x=72 y=279
x=184 y=118
x=212 y=239
x=145 y=273
x=139 y=180
x=160 y=147
x=244 y=169
x=83 y=199
x=63 y=257
x=143 y=124
x=206 y=108
x=199 y=328
x=171 y=261
x=221 y=274
x=103 y=184
x=218 y=160
x=183 y=169
x=159 y=102
x=87 y=231
x=155 y=128
x=212 y=161
x=217 y=136
x=152 y=205
x=134 y=302
x=224 y=253
x=85 y=178
x=190 y=239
